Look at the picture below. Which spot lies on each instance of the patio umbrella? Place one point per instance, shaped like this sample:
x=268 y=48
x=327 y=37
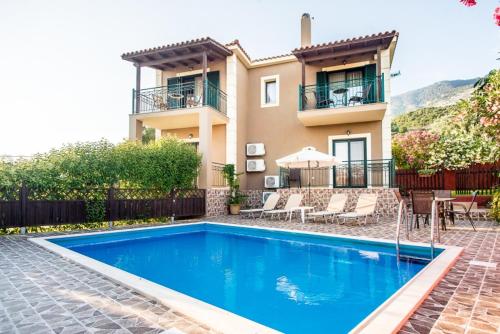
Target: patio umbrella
x=307 y=158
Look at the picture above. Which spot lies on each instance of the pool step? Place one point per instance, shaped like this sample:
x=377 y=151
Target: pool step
x=413 y=259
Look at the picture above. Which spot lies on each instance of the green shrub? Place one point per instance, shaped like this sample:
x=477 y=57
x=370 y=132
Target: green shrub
x=166 y=164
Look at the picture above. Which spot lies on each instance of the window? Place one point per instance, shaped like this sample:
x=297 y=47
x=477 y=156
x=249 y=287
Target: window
x=269 y=96
x=270 y=92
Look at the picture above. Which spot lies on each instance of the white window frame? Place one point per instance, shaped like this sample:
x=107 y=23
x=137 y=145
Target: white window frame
x=263 y=81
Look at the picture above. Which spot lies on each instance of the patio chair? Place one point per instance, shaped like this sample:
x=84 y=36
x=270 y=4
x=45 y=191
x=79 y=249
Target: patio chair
x=421 y=205
x=335 y=207
x=269 y=204
x=365 y=207
x=293 y=201
x=158 y=102
x=444 y=210
x=324 y=101
x=461 y=209
x=361 y=98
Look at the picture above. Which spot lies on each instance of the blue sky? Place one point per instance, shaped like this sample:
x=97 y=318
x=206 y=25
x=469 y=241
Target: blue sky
x=62 y=78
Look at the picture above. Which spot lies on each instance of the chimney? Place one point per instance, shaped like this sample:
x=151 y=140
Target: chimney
x=305 y=30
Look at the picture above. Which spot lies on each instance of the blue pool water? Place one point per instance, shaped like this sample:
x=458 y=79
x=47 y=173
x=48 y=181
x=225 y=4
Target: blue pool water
x=292 y=282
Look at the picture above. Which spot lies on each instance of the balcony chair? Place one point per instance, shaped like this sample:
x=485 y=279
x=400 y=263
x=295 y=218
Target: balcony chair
x=334 y=208
x=324 y=101
x=158 y=102
x=193 y=100
x=293 y=201
x=361 y=98
x=365 y=207
x=421 y=205
x=269 y=204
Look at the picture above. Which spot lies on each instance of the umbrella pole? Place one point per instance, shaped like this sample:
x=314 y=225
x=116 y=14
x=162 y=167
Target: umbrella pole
x=309 y=182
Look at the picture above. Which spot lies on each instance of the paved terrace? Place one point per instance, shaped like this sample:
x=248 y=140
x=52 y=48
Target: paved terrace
x=40 y=292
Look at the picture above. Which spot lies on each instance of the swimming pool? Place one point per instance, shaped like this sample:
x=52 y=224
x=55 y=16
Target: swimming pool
x=287 y=281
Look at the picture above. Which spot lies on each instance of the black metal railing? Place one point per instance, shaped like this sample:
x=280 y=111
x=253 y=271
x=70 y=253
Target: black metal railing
x=346 y=93
x=353 y=174
x=179 y=96
x=218 y=179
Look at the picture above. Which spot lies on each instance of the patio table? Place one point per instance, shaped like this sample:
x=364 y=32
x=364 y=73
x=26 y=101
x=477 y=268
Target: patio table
x=442 y=201
x=302 y=210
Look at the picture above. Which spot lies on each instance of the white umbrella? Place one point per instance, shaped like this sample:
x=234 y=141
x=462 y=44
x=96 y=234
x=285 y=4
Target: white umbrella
x=308 y=158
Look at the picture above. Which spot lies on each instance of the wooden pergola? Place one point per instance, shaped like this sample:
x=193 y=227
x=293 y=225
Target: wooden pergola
x=341 y=52
x=185 y=54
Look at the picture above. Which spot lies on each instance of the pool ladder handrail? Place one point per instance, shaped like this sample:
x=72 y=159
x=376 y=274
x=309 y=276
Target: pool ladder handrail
x=434 y=226
x=402 y=218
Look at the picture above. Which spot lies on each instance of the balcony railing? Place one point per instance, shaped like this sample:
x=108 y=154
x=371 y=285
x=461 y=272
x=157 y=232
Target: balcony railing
x=218 y=179
x=353 y=174
x=179 y=96
x=338 y=94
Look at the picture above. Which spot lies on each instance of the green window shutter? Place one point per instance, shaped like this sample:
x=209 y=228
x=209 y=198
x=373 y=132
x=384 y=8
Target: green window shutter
x=212 y=89
x=370 y=72
x=173 y=87
x=321 y=90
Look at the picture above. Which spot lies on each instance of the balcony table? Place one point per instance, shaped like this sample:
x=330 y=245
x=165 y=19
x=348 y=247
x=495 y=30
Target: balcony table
x=302 y=210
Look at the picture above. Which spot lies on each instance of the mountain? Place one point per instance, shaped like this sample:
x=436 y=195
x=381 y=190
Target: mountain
x=419 y=119
x=439 y=94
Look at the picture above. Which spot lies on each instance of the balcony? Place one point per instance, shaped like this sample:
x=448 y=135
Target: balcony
x=178 y=105
x=348 y=174
x=340 y=102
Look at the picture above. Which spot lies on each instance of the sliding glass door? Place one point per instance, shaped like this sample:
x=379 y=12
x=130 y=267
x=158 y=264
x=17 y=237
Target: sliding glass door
x=352 y=172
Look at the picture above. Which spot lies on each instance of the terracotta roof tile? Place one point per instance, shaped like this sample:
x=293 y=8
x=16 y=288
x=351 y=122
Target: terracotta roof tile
x=173 y=45
x=348 y=40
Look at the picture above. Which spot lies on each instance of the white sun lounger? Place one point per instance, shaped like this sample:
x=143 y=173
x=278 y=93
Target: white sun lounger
x=269 y=204
x=364 y=208
x=335 y=207
x=292 y=202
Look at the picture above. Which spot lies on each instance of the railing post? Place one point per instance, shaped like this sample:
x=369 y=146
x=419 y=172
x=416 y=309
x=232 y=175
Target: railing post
x=301 y=97
x=133 y=101
x=23 y=204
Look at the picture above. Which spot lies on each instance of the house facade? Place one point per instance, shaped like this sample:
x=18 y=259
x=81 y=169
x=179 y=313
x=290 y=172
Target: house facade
x=333 y=96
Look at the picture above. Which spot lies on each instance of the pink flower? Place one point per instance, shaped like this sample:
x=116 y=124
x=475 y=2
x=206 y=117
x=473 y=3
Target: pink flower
x=496 y=16
x=469 y=3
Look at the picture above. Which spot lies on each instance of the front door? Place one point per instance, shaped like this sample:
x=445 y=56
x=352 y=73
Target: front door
x=352 y=172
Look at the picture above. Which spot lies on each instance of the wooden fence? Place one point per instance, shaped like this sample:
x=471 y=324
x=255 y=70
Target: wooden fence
x=477 y=177
x=29 y=207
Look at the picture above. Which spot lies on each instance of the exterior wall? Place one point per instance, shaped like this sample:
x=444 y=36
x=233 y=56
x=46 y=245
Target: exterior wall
x=218 y=139
x=385 y=69
x=387 y=203
x=243 y=127
x=279 y=128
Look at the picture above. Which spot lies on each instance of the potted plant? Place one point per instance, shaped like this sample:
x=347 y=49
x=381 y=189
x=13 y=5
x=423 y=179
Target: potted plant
x=236 y=197
x=426 y=172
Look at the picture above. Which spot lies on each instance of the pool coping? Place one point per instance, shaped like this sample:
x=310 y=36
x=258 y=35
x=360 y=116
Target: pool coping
x=389 y=317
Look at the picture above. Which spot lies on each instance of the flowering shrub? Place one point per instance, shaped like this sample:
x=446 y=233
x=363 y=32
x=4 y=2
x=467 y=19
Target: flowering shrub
x=413 y=149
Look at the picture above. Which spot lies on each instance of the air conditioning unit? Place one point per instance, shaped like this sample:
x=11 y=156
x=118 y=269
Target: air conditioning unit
x=255 y=149
x=256 y=165
x=272 y=181
x=265 y=195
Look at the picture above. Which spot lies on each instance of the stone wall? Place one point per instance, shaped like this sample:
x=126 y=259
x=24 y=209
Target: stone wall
x=387 y=204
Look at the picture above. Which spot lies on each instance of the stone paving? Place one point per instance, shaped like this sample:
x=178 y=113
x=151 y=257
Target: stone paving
x=41 y=292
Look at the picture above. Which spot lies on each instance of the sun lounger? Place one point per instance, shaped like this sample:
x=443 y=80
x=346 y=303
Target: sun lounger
x=292 y=202
x=335 y=207
x=364 y=208
x=269 y=204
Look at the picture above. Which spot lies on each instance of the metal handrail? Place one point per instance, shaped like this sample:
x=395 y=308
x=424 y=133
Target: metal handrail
x=402 y=218
x=344 y=93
